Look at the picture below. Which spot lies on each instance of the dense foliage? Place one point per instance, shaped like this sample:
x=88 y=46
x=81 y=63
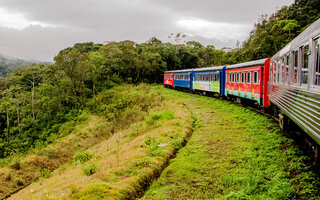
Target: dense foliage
x=36 y=100
x=270 y=34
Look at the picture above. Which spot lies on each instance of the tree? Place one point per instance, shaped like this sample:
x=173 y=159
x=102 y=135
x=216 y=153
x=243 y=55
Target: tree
x=74 y=66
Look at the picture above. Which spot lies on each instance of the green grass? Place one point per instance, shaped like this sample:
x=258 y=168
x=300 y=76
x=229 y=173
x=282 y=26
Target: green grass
x=235 y=153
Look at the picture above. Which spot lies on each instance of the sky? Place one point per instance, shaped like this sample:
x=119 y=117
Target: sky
x=39 y=29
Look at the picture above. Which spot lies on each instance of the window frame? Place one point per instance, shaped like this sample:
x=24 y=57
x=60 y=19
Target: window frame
x=249 y=80
x=316 y=63
x=255 y=73
x=305 y=60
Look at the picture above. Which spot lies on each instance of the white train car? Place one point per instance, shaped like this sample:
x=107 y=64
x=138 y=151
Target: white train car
x=294 y=84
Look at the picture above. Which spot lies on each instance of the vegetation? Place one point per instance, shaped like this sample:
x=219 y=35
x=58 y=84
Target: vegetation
x=70 y=146
x=201 y=147
x=272 y=33
x=235 y=153
x=35 y=101
x=50 y=115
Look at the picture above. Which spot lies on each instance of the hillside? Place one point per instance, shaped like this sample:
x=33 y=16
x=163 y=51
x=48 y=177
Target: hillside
x=154 y=143
x=8 y=63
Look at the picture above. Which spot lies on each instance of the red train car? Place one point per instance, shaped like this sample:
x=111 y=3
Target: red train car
x=248 y=81
x=168 y=79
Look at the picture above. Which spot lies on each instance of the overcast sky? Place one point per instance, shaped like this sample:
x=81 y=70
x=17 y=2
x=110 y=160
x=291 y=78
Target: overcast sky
x=38 y=29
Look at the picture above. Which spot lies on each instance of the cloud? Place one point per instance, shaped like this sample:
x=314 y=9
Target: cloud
x=16 y=20
x=45 y=27
x=214 y=30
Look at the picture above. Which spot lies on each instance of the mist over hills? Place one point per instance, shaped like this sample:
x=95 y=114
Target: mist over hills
x=8 y=63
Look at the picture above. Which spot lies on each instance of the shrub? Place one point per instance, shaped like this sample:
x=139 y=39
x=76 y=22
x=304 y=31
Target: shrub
x=90 y=169
x=18 y=182
x=165 y=115
x=153 y=146
x=82 y=157
x=15 y=164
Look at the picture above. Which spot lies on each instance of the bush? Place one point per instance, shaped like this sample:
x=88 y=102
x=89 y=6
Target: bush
x=82 y=157
x=15 y=164
x=165 y=115
x=90 y=169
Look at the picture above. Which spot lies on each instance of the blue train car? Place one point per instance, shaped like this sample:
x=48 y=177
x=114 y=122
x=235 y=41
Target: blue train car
x=209 y=79
x=182 y=79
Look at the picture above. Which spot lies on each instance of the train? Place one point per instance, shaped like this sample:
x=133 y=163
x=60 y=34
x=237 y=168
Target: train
x=286 y=85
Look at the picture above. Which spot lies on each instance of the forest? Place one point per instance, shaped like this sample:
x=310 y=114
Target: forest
x=36 y=100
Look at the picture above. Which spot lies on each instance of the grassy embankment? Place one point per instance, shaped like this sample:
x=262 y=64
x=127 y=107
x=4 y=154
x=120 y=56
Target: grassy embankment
x=233 y=153
x=115 y=153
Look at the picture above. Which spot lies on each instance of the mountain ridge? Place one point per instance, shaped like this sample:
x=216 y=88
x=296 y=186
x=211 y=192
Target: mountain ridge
x=8 y=63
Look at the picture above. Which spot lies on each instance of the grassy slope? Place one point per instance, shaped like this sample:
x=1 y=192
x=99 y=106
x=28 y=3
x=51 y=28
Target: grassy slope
x=123 y=165
x=232 y=153
x=235 y=154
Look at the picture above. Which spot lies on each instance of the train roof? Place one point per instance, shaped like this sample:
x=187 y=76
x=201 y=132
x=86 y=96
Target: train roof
x=196 y=69
x=176 y=71
x=208 y=68
x=312 y=31
x=248 y=64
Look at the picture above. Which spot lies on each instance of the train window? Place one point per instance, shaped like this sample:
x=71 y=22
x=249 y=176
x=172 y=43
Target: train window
x=287 y=68
x=207 y=77
x=229 y=77
x=271 y=72
x=278 y=72
x=216 y=78
x=255 y=77
x=274 y=73
x=295 y=67
x=305 y=66
x=317 y=64
x=238 y=77
x=283 y=71
x=243 y=79
x=233 y=77
x=249 y=77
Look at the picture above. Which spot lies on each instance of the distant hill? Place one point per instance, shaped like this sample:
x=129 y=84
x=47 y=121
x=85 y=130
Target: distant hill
x=8 y=63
